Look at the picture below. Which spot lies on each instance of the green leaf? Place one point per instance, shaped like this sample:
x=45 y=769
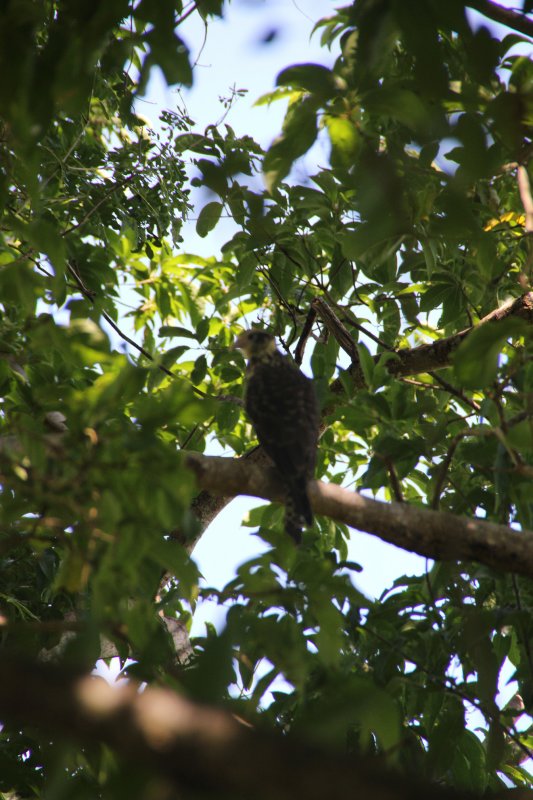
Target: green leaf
x=378 y=242
x=520 y=436
x=405 y=106
x=170 y=53
x=208 y=218
x=311 y=77
x=299 y=133
x=367 y=364
x=345 y=141
x=227 y=416
x=324 y=359
x=19 y=286
x=436 y=295
x=174 y=403
x=281 y=93
x=200 y=370
x=195 y=142
x=176 y=330
x=475 y=362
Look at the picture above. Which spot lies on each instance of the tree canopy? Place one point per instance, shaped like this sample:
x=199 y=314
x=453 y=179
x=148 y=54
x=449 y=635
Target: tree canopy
x=400 y=270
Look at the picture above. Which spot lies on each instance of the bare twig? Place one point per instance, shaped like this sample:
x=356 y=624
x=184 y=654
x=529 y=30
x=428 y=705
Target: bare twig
x=444 y=467
x=306 y=332
x=186 y=14
x=456 y=392
x=275 y=288
x=349 y=317
x=394 y=481
x=336 y=328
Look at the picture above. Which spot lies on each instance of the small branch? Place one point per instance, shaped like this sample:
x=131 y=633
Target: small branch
x=349 y=317
x=456 y=392
x=265 y=271
x=90 y=295
x=444 y=467
x=306 y=332
x=433 y=534
x=107 y=195
x=186 y=14
x=336 y=328
x=207 y=506
x=394 y=481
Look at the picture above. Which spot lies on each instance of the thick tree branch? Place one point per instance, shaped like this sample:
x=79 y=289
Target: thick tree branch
x=195 y=748
x=434 y=534
x=505 y=16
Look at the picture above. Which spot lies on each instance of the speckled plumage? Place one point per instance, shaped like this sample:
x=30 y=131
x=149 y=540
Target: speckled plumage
x=281 y=403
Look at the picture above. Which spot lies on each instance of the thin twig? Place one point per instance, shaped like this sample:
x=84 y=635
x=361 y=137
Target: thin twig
x=194 y=430
x=266 y=272
x=357 y=325
x=186 y=14
x=444 y=467
x=102 y=200
x=394 y=481
x=306 y=332
x=336 y=328
x=456 y=392
x=89 y=294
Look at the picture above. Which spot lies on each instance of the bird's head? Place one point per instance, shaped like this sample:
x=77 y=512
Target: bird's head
x=255 y=343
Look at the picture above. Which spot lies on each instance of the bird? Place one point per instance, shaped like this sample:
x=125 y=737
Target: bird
x=282 y=406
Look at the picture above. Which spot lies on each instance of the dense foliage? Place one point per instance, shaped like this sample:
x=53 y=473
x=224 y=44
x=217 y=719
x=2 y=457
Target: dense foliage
x=418 y=227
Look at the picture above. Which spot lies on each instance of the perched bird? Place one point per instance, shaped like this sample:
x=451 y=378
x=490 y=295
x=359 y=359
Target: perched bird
x=282 y=406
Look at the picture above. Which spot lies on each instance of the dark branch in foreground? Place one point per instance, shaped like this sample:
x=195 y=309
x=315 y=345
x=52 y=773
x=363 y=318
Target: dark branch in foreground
x=195 y=748
x=505 y=16
x=434 y=534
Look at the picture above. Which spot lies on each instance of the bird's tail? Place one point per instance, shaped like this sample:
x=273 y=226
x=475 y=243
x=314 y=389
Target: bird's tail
x=298 y=512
